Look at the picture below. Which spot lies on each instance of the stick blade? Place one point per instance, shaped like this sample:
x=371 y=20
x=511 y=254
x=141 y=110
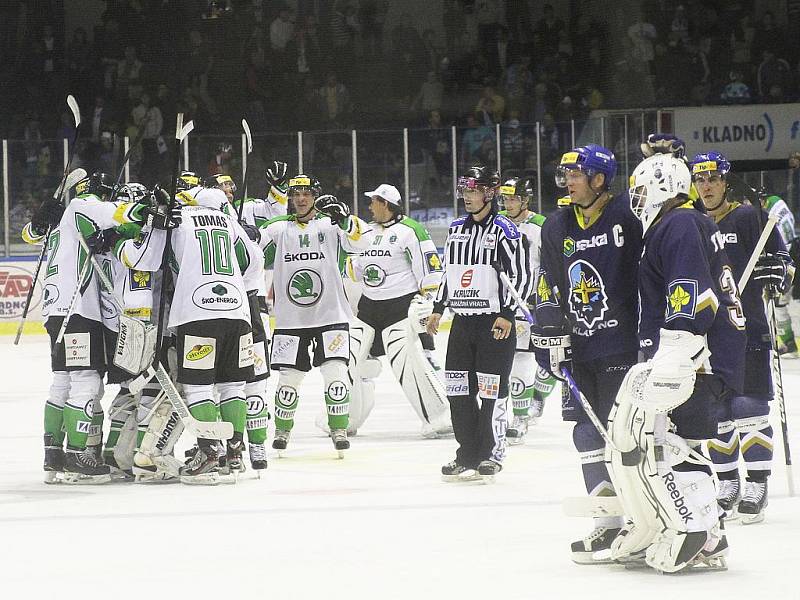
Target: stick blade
x=248 y=135
x=76 y=111
x=186 y=130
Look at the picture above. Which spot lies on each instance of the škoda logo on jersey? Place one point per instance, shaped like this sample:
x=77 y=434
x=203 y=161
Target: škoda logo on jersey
x=305 y=287
x=199 y=352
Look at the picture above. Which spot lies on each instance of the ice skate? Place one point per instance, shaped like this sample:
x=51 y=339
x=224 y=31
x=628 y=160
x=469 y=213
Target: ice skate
x=340 y=441
x=145 y=470
x=515 y=434
x=713 y=558
x=487 y=470
x=117 y=474
x=203 y=468
x=594 y=548
x=233 y=459
x=728 y=496
x=754 y=501
x=537 y=408
x=281 y=440
x=438 y=427
x=82 y=467
x=258 y=458
x=53 y=460
x=455 y=472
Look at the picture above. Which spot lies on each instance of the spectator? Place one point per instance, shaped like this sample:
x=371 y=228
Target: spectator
x=502 y=52
x=742 y=38
x=736 y=92
x=487 y=15
x=491 y=106
x=430 y=95
x=512 y=142
x=432 y=50
x=768 y=37
x=304 y=51
x=680 y=24
x=149 y=119
x=642 y=35
x=518 y=84
x=335 y=101
x=220 y=163
x=101 y=116
x=772 y=71
x=33 y=141
x=438 y=146
x=342 y=37
x=473 y=139
x=108 y=46
x=548 y=29
x=281 y=30
x=129 y=72
x=79 y=60
x=372 y=16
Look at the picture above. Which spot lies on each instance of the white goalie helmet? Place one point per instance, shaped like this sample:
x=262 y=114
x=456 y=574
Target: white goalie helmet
x=655 y=181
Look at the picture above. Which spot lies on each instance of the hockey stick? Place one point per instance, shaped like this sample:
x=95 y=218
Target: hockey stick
x=762 y=241
x=249 y=137
x=76 y=115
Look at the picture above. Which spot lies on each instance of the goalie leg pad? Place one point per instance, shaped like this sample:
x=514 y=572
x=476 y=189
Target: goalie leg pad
x=362 y=369
x=153 y=460
x=417 y=376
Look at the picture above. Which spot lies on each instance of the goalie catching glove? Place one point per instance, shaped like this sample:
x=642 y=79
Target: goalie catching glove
x=337 y=210
x=671 y=373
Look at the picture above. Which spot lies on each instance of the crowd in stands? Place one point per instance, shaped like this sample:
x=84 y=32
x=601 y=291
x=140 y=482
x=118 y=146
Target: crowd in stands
x=343 y=64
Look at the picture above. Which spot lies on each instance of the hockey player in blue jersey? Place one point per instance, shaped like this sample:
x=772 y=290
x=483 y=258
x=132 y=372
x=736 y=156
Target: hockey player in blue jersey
x=589 y=259
x=744 y=423
x=692 y=333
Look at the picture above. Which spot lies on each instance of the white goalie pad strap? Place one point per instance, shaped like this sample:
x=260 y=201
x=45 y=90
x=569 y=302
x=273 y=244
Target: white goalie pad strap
x=417 y=376
x=673 y=371
x=751 y=424
x=361 y=368
x=419 y=310
x=136 y=344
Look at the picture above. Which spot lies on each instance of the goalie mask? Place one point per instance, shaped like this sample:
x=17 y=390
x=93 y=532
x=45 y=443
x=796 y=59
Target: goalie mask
x=654 y=182
x=134 y=192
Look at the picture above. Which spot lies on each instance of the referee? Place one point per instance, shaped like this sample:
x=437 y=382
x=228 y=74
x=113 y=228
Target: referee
x=482 y=341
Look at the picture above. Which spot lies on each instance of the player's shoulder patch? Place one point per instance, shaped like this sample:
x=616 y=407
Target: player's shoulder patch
x=681 y=299
x=417 y=228
x=458 y=221
x=508 y=227
x=536 y=219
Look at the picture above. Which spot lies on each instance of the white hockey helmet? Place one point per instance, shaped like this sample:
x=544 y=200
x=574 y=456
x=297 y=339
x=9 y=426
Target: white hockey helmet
x=656 y=180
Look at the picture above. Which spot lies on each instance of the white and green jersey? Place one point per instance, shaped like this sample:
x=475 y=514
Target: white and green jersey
x=776 y=206
x=308 y=259
x=66 y=259
x=257 y=211
x=531 y=228
x=134 y=288
x=207 y=257
x=399 y=255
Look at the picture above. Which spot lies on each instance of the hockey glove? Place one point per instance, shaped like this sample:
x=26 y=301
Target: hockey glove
x=552 y=348
x=772 y=271
x=161 y=217
x=102 y=241
x=46 y=216
x=252 y=231
x=277 y=174
x=663 y=143
x=337 y=210
x=418 y=312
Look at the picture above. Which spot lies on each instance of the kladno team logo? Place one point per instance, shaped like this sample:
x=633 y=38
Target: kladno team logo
x=587 y=299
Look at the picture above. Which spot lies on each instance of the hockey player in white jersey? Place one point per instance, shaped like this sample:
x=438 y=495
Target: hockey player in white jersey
x=308 y=250
x=211 y=320
x=529 y=384
x=399 y=271
x=787 y=307
x=78 y=361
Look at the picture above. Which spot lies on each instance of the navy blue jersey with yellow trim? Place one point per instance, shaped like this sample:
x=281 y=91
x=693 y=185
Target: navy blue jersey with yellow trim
x=686 y=283
x=741 y=227
x=588 y=275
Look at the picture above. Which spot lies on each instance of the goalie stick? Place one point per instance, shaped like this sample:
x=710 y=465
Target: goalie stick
x=58 y=195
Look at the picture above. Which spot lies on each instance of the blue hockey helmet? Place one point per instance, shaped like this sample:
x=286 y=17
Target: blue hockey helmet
x=710 y=161
x=590 y=159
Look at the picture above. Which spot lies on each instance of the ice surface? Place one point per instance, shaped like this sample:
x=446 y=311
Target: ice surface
x=378 y=524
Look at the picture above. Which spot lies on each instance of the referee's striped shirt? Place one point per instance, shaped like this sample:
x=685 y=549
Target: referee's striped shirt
x=471 y=284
